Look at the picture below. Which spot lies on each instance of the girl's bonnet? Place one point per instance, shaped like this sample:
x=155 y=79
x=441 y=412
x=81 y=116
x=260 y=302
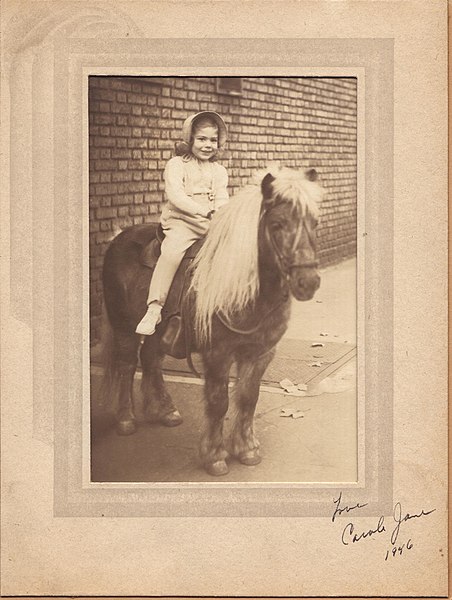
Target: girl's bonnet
x=187 y=130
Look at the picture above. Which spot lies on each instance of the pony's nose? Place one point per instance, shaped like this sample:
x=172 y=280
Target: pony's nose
x=309 y=282
x=306 y=285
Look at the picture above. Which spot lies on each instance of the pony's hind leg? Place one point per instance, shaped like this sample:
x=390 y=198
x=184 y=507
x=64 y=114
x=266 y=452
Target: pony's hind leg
x=126 y=348
x=212 y=450
x=244 y=445
x=158 y=404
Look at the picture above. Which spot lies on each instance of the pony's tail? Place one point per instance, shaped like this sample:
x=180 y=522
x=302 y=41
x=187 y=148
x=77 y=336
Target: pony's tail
x=108 y=387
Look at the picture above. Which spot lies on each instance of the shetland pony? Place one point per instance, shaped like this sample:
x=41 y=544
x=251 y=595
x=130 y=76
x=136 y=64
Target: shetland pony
x=259 y=251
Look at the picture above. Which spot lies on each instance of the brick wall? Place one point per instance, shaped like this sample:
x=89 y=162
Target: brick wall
x=135 y=122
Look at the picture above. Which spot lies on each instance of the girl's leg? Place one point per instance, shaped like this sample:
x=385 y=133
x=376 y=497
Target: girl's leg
x=177 y=241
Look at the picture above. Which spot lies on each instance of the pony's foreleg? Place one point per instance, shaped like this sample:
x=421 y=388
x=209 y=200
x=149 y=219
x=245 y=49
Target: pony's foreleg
x=244 y=445
x=126 y=359
x=212 y=450
x=158 y=403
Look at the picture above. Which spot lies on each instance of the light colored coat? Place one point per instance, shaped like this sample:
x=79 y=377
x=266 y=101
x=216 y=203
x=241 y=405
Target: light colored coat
x=192 y=188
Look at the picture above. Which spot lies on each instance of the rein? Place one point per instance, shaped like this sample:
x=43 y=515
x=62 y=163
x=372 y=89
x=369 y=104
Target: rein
x=252 y=330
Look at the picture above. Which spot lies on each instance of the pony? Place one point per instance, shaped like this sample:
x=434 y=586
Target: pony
x=260 y=250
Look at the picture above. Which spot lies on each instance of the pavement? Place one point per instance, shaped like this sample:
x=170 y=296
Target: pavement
x=308 y=435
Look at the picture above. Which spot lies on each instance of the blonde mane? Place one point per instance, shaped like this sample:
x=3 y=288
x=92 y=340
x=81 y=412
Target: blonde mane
x=226 y=272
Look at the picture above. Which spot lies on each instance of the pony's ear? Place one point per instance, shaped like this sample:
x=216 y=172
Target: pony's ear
x=311 y=174
x=266 y=186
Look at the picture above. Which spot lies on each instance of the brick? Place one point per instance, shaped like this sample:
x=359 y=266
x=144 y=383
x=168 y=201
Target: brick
x=103 y=119
x=121 y=131
x=121 y=84
x=99 y=94
x=121 y=176
x=125 y=222
x=150 y=111
x=105 y=165
x=122 y=199
x=137 y=143
x=104 y=142
x=118 y=108
x=121 y=153
x=167 y=102
x=105 y=213
x=135 y=98
x=138 y=121
x=151 y=175
x=137 y=164
x=142 y=209
x=105 y=189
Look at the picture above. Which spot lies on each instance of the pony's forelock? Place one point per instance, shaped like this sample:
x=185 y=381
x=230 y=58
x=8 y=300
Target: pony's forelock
x=293 y=186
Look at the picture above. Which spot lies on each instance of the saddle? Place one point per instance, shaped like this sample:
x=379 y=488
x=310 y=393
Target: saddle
x=174 y=339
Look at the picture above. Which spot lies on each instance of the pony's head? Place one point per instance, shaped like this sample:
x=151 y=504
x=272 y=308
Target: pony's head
x=266 y=228
x=289 y=216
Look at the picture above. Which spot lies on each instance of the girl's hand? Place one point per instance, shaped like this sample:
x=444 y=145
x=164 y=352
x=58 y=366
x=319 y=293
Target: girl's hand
x=206 y=213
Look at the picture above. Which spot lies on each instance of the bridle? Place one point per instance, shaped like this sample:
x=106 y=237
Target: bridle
x=285 y=264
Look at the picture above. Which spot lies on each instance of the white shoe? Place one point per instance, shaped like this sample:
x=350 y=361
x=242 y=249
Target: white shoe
x=150 y=320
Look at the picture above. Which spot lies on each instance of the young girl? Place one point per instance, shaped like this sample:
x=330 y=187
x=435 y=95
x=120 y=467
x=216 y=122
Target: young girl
x=195 y=187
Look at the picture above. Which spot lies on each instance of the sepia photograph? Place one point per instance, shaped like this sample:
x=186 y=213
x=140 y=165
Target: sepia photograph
x=223 y=235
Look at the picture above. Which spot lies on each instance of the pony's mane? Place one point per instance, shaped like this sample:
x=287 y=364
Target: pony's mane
x=226 y=272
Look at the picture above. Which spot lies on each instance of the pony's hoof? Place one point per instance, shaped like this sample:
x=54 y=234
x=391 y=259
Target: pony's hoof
x=172 y=419
x=217 y=468
x=250 y=458
x=126 y=427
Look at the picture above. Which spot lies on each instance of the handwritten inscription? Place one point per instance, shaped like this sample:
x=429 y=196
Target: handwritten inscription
x=398 y=550
x=352 y=533
x=349 y=535
x=339 y=510
x=397 y=515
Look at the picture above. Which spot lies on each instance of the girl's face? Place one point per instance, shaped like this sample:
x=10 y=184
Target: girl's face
x=205 y=142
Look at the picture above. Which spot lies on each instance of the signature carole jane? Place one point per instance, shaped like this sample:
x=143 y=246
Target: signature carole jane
x=351 y=534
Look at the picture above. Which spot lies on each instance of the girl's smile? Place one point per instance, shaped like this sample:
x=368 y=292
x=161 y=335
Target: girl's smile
x=205 y=142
